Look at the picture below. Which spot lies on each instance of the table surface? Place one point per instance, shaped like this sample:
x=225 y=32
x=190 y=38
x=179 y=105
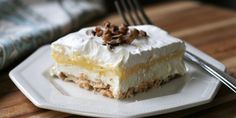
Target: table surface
x=209 y=28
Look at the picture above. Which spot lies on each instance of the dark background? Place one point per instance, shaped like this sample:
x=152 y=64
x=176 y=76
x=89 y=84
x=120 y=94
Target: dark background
x=223 y=3
x=231 y=4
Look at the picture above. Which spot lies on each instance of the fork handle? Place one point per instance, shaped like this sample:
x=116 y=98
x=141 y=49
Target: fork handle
x=215 y=72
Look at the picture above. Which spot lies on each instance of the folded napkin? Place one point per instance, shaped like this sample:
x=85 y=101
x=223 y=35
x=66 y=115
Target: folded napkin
x=27 y=24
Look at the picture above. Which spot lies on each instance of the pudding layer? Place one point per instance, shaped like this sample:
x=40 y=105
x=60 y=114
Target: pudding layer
x=123 y=73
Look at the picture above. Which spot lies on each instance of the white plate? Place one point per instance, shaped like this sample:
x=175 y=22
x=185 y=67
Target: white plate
x=32 y=79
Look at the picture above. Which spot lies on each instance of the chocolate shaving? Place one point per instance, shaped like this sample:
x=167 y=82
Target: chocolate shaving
x=114 y=42
x=106 y=37
x=106 y=24
x=117 y=36
x=114 y=35
x=142 y=33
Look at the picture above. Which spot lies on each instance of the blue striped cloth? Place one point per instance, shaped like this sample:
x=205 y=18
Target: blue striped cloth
x=27 y=24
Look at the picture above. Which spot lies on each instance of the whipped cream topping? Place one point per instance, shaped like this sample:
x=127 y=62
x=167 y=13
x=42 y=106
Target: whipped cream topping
x=158 y=43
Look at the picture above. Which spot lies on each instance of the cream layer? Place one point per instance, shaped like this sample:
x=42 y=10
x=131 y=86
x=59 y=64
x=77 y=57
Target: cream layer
x=159 y=71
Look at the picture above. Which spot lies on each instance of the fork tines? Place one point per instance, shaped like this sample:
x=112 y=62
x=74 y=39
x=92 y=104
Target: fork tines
x=131 y=12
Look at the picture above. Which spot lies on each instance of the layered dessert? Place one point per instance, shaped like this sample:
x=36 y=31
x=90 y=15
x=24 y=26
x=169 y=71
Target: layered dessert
x=118 y=61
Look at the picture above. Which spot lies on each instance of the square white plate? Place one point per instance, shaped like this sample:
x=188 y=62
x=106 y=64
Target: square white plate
x=193 y=89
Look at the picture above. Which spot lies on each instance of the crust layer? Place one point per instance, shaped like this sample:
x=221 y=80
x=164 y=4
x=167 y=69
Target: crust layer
x=105 y=90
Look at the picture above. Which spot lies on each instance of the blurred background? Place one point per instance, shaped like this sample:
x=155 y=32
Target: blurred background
x=25 y=25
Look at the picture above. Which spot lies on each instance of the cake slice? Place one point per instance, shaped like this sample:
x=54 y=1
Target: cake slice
x=118 y=61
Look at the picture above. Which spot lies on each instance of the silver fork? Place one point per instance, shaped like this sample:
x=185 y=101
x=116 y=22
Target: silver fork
x=134 y=11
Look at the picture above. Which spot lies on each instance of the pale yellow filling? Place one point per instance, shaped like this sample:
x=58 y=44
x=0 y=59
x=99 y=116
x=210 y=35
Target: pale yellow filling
x=78 y=60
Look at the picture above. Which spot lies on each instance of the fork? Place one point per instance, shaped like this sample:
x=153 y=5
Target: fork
x=133 y=13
